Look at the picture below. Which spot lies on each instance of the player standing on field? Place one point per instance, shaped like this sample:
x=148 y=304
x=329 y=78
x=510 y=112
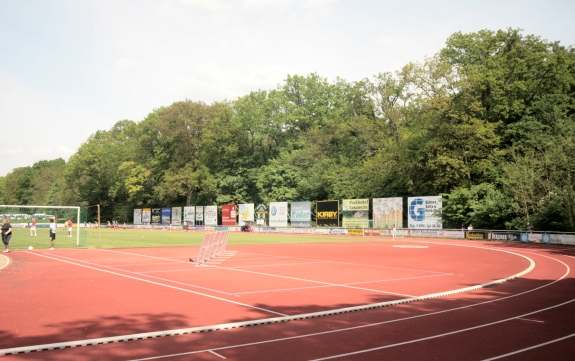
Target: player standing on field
x=33 y=225
x=6 y=234
x=69 y=225
x=52 y=232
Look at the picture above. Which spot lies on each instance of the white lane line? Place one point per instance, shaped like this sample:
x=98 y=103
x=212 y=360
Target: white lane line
x=530 y=320
x=217 y=354
x=159 y=284
x=358 y=264
x=307 y=280
x=441 y=334
x=269 y=290
x=4 y=261
x=530 y=348
x=150 y=276
x=105 y=340
x=256 y=343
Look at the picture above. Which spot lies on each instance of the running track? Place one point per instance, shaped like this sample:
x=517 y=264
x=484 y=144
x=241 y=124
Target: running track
x=70 y=295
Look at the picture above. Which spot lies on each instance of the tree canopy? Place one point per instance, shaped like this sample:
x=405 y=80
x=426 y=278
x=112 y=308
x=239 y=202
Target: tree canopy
x=489 y=122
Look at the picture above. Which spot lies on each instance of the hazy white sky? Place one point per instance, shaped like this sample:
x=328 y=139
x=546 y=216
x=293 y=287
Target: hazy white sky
x=71 y=67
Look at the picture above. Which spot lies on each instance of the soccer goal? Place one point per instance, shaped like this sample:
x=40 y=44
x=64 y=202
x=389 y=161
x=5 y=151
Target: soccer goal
x=31 y=224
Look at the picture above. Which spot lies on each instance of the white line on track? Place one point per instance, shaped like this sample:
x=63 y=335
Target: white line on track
x=75 y=262
x=530 y=348
x=441 y=334
x=256 y=343
x=565 y=274
x=530 y=320
x=217 y=354
x=248 y=266
x=105 y=340
x=347 y=283
x=4 y=261
x=357 y=264
x=150 y=276
x=301 y=279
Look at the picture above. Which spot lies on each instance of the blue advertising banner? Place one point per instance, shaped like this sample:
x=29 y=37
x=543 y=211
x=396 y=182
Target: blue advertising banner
x=166 y=215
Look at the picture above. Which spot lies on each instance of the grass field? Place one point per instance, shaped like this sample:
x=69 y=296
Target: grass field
x=109 y=238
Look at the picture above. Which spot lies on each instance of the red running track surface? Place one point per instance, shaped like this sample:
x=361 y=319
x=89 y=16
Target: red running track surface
x=67 y=295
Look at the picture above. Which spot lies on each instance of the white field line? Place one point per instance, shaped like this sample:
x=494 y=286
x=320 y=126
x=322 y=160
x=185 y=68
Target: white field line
x=347 y=283
x=530 y=348
x=4 y=261
x=301 y=279
x=97 y=268
x=352 y=328
x=175 y=332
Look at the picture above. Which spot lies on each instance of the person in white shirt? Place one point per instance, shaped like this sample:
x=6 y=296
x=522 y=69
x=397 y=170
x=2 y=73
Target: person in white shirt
x=52 y=232
x=33 y=228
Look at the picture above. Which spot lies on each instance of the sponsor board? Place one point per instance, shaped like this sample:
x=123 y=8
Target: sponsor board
x=166 y=216
x=387 y=212
x=146 y=216
x=278 y=214
x=190 y=215
x=176 y=216
x=229 y=215
x=156 y=215
x=475 y=235
x=246 y=213
x=424 y=212
x=327 y=213
x=355 y=213
x=300 y=214
x=137 y=216
x=211 y=215
x=355 y=232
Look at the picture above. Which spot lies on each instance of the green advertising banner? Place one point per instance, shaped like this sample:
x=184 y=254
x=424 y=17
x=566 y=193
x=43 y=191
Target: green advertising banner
x=355 y=213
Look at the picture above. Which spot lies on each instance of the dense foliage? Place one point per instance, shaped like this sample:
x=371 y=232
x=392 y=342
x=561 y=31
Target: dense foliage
x=489 y=122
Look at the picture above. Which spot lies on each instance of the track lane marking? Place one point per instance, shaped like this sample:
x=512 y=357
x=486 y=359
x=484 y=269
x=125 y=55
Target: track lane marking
x=347 y=283
x=105 y=340
x=301 y=279
x=530 y=348
x=217 y=354
x=75 y=262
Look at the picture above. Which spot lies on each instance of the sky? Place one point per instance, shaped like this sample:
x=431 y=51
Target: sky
x=71 y=67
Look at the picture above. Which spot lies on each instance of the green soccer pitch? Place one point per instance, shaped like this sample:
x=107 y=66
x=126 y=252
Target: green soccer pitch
x=126 y=238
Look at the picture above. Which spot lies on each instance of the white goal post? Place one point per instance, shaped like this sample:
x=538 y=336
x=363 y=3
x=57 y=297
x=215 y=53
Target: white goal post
x=16 y=206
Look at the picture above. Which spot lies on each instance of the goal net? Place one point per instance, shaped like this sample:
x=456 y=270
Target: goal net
x=30 y=225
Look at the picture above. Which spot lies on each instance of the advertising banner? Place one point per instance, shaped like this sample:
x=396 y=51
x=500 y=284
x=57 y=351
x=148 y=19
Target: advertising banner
x=424 y=212
x=137 y=216
x=261 y=214
x=327 y=213
x=300 y=214
x=211 y=215
x=166 y=215
x=355 y=213
x=146 y=216
x=247 y=212
x=190 y=215
x=177 y=216
x=229 y=215
x=278 y=214
x=199 y=215
x=156 y=215
x=388 y=212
